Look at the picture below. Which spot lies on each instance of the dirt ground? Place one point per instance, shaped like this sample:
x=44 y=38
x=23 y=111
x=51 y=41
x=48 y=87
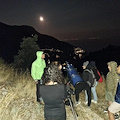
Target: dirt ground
x=96 y=111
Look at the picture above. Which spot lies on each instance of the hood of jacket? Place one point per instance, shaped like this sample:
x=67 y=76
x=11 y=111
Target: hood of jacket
x=113 y=66
x=112 y=78
x=38 y=66
x=39 y=55
x=89 y=67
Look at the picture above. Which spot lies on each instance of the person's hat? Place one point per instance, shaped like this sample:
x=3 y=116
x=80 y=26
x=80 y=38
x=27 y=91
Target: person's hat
x=86 y=63
x=92 y=63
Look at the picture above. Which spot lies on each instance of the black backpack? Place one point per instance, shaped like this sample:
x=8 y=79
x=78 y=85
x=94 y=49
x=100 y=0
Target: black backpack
x=97 y=76
x=92 y=80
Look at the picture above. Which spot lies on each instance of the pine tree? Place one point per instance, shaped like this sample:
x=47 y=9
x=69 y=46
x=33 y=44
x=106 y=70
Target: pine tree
x=27 y=53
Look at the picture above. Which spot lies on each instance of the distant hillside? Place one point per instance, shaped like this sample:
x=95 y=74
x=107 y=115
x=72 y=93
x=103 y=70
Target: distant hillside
x=103 y=56
x=91 y=45
x=11 y=36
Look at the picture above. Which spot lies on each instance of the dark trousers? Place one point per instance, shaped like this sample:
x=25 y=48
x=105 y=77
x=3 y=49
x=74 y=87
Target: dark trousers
x=37 y=90
x=88 y=90
x=78 y=89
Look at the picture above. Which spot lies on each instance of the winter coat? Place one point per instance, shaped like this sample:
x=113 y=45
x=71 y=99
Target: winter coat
x=85 y=75
x=111 y=81
x=38 y=66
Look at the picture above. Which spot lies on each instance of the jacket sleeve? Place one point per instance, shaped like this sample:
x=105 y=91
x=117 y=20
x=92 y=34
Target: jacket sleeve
x=41 y=70
x=115 y=84
x=33 y=69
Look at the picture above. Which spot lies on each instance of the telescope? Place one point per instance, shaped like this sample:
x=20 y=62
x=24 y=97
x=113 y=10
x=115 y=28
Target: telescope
x=74 y=78
x=73 y=75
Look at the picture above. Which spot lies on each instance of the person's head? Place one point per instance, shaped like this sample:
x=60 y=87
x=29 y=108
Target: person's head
x=52 y=73
x=58 y=64
x=43 y=56
x=109 y=68
x=40 y=55
x=112 y=66
x=93 y=64
x=118 y=69
x=85 y=64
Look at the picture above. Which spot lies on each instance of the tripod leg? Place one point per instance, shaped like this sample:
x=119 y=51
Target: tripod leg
x=73 y=99
x=72 y=109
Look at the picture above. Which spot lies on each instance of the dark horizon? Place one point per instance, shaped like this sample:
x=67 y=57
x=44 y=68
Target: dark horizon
x=64 y=20
x=87 y=41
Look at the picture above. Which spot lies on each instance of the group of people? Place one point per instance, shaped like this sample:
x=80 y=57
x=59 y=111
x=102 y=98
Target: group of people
x=51 y=89
x=87 y=66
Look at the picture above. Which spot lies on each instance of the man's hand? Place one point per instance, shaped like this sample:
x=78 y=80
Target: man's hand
x=36 y=81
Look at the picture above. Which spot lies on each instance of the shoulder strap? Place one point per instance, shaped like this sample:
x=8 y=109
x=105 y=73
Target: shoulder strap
x=93 y=74
x=88 y=70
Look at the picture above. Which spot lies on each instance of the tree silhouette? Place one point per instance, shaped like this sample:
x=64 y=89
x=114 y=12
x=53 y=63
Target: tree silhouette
x=26 y=54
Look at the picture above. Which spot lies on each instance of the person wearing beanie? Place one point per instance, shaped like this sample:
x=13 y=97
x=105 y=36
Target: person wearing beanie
x=85 y=78
x=93 y=89
x=85 y=64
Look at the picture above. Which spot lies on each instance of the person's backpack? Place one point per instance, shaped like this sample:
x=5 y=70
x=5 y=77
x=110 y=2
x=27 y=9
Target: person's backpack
x=101 y=79
x=92 y=80
x=95 y=71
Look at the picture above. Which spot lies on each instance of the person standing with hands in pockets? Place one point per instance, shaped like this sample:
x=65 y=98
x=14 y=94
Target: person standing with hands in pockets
x=37 y=71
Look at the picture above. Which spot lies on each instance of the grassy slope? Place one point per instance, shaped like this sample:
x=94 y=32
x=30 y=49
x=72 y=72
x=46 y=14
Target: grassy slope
x=18 y=99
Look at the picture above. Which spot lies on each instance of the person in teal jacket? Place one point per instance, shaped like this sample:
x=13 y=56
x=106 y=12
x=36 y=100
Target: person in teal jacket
x=37 y=71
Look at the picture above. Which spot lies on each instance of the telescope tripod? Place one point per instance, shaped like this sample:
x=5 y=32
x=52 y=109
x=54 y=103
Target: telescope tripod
x=73 y=111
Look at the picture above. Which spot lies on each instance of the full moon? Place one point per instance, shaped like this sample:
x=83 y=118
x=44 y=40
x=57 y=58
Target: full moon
x=41 y=18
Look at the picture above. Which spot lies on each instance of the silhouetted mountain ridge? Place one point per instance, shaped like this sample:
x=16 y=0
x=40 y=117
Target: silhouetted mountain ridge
x=11 y=36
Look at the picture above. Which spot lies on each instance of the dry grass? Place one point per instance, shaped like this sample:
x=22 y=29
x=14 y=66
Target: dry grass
x=20 y=91
x=18 y=98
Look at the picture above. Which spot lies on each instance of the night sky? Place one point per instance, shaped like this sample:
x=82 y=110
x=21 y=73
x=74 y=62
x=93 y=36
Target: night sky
x=67 y=19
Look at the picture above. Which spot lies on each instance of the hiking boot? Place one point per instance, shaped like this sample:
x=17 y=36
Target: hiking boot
x=86 y=103
x=88 y=108
x=116 y=116
x=41 y=103
x=106 y=110
x=77 y=103
x=94 y=101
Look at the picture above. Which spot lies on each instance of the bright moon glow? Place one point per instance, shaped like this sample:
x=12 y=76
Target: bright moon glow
x=41 y=18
